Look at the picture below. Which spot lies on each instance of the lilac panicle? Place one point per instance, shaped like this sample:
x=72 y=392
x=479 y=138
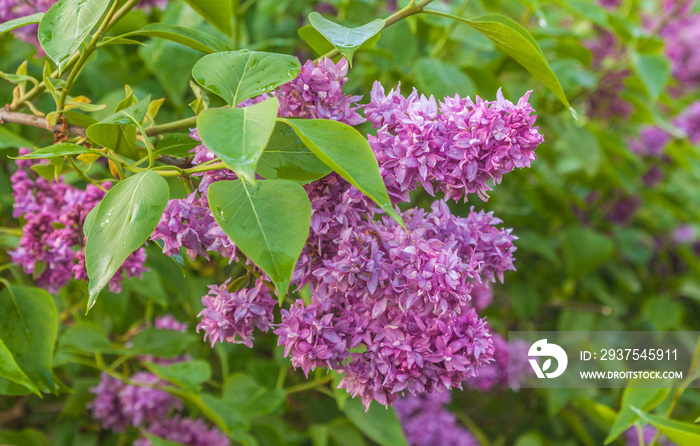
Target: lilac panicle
x=317 y=93
x=52 y=241
x=186 y=431
x=168 y=322
x=119 y=405
x=648 y=434
x=459 y=144
x=232 y=316
x=652 y=142
x=681 y=37
x=426 y=422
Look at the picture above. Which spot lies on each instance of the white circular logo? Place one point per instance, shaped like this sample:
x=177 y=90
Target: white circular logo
x=542 y=349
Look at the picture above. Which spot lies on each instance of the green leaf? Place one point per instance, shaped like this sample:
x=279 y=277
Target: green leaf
x=9 y=140
x=586 y=250
x=240 y=75
x=28 y=331
x=21 y=21
x=345 y=40
x=190 y=37
x=442 y=79
x=124 y=221
x=175 y=144
x=157 y=441
x=189 y=375
x=287 y=158
x=85 y=338
x=654 y=70
x=160 y=343
x=268 y=221
x=680 y=433
x=217 y=12
x=519 y=44
x=118 y=132
x=10 y=370
x=239 y=135
x=645 y=398
x=379 y=424
x=25 y=437
x=66 y=25
x=346 y=151
x=249 y=398
x=61 y=149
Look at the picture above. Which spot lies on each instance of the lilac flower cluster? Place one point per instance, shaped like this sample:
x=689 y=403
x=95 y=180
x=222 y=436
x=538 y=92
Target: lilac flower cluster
x=317 y=93
x=426 y=422
x=651 y=145
x=390 y=308
x=119 y=405
x=232 y=316
x=681 y=37
x=51 y=246
x=403 y=298
x=605 y=102
x=503 y=372
x=460 y=144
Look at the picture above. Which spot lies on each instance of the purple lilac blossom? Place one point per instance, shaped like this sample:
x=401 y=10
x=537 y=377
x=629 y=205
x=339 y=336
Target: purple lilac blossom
x=119 y=405
x=52 y=241
x=232 y=316
x=648 y=434
x=168 y=322
x=684 y=234
x=610 y=4
x=606 y=102
x=426 y=422
x=318 y=93
x=186 y=431
x=681 y=37
x=404 y=296
x=502 y=372
x=624 y=209
x=689 y=122
x=652 y=142
x=460 y=144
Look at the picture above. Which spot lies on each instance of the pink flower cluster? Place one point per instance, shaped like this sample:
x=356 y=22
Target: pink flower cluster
x=52 y=244
x=503 y=372
x=390 y=308
x=461 y=144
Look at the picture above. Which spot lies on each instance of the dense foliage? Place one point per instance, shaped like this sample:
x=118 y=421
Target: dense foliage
x=272 y=222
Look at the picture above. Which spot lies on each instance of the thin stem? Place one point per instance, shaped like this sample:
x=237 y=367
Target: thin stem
x=440 y=44
x=84 y=177
x=308 y=385
x=86 y=54
x=411 y=9
x=172 y=126
x=7 y=115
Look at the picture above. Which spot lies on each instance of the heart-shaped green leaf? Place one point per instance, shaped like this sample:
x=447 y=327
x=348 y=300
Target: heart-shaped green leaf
x=239 y=135
x=268 y=221
x=345 y=40
x=123 y=221
x=66 y=25
x=240 y=75
x=346 y=151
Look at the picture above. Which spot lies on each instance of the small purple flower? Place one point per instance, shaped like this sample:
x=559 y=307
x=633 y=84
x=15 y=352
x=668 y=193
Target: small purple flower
x=186 y=431
x=119 y=405
x=681 y=37
x=168 y=322
x=648 y=434
x=651 y=143
x=232 y=316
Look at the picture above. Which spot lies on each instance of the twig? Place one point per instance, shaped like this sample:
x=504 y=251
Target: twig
x=37 y=121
